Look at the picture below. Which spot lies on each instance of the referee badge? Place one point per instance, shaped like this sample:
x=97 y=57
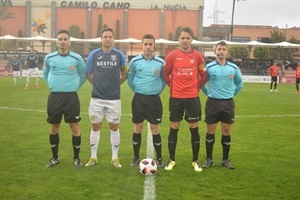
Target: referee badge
x=72 y=68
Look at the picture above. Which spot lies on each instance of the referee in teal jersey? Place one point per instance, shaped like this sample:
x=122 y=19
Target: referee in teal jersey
x=224 y=82
x=145 y=79
x=64 y=72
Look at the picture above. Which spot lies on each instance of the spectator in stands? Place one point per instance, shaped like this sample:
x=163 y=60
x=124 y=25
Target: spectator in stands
x=282 y=68
x=273 y=72
x=297 y=78
x=257 y=69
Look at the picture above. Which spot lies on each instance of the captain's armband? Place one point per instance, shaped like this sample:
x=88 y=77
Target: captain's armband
x=123 y=68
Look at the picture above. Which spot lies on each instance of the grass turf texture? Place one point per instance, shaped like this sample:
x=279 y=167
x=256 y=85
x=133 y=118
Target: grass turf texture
x=265 y=151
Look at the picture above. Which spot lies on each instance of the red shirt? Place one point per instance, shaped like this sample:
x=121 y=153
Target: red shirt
x=273 y=70
x=184 y=73
x=298 y=72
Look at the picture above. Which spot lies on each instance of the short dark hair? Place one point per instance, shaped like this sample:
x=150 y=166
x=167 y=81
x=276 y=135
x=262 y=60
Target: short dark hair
x=223 y=43
x=148 y=36
x=187 y=30
x=63 y=31
x=108 y=29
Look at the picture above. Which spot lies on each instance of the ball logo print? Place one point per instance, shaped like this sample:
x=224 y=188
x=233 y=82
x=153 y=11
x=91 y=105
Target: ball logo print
x=148 y=167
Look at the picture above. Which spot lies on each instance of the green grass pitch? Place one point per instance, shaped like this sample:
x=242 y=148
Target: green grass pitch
x=265 y=151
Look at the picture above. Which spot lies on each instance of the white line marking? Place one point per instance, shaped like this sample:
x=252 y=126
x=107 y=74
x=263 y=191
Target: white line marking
x=237 y=116
x=268 y=116
x=149 y=184
x=21 y=109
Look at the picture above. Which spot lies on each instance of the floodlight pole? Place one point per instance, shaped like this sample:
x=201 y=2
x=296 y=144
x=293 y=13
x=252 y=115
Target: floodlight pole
x=232 y=16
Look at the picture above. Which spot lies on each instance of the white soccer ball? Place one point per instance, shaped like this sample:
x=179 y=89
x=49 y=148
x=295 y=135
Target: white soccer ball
x=148 y=167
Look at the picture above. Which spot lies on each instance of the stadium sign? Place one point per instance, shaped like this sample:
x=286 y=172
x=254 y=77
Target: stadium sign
x=117 y=5
x=129 y=4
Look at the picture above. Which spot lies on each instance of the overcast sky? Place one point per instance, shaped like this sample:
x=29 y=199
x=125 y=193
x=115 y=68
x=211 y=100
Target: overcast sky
x=279 y=13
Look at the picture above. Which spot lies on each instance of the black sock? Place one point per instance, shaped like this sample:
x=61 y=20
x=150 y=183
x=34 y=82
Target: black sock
x=195 y=140
x=172 y=142
x=136 y=141
x=225 y=141
x=157 y=145
x=76 y=141
x=209 y=142
x=54 y=141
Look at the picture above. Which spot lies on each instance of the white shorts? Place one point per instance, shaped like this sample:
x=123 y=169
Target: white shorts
x=110 y=108
x=33 y=71
x=16 y=74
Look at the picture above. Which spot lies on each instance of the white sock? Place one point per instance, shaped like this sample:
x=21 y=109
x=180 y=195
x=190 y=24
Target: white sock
x=94 y=142
x=37 y=80
x=27 y=80
x=115 y=143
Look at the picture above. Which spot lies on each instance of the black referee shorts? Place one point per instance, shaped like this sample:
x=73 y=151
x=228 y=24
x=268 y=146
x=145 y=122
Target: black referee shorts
x=63 y=104
x=147 y=107
x=219 y=110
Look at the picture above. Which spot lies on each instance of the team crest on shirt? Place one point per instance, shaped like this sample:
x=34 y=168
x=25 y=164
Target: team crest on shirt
x=155 y=72
x=231 y=76
x=72 y=68
x=192 y=60
x=113 y=57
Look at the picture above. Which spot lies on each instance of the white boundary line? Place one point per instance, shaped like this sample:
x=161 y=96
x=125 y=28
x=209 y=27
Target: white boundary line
x=85 y=113
x=149 y=184
x=20 y=109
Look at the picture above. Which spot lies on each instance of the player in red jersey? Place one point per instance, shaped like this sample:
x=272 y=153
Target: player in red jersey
x=184 y=75
x=273 y=72
x=297 y=78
